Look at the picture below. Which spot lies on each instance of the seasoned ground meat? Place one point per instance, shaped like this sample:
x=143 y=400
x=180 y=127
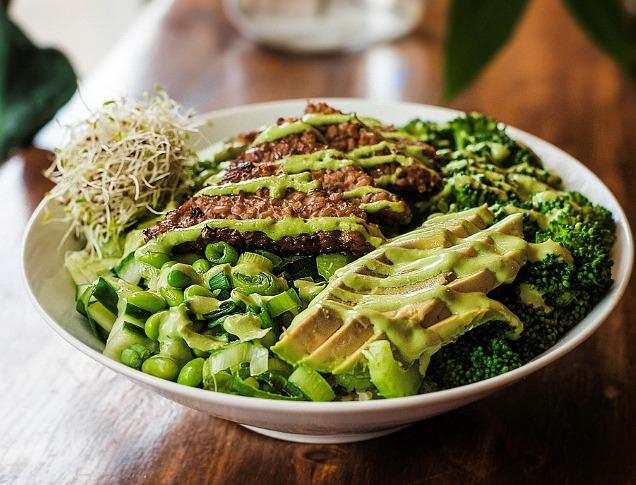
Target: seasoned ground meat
x=294 y=144
x=259 y=205
x=411 y=178
x=347 y=242
x=327 y=201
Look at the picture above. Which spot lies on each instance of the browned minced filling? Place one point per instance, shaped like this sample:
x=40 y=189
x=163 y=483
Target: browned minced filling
x=259 y=205
x=348 y=242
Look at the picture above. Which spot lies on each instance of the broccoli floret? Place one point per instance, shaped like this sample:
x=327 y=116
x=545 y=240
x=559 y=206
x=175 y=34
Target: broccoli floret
x=566 y=292
x=480 y=354
x=473 y=134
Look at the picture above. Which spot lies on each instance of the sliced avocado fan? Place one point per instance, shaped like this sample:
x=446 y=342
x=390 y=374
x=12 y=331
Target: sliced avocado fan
x=419 y=291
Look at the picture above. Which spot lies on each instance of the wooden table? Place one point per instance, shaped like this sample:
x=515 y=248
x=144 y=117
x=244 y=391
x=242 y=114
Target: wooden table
x=66 y=419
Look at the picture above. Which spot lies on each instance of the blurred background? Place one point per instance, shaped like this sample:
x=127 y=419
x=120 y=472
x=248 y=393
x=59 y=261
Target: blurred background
x=214 y=53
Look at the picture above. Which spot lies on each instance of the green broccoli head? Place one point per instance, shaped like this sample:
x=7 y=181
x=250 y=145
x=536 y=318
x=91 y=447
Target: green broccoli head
x=471 y=135
x=549 y=296
x=480 y=354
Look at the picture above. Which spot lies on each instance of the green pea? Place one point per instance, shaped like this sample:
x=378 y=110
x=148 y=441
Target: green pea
x=196 y=290
x=173 y=296
x=221 y=253
x=130 y=358
x=148 y=301
x=155 y=259
x=161 y=366
x=192 y=373
x=167 y=264
x=201 y=265
x=178 y=279
x=152 y=325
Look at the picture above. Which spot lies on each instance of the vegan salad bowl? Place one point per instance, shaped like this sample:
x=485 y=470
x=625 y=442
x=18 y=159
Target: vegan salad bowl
x=321 y=271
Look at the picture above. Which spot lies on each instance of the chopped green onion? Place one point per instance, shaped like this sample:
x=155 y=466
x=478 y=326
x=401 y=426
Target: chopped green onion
x=259 y=361
x=261 y=283
x=308 y=290
x=244 y=326
x=203 y=305
x=388 y=376
x=284 y=302
x=230 y=357
x=226 y=308
x=312 y=384
x=221 y=253
x=258 y=261
x=219 y=281
x=276 y=260
x=328 y=264
x=155 y=259
x=244 y=389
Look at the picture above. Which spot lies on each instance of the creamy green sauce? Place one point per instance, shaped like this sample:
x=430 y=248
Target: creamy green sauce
x=276 y=132
x=276 y=184
x=394 y=286
x=377 y=206
x=360 y=192
x=275 y=230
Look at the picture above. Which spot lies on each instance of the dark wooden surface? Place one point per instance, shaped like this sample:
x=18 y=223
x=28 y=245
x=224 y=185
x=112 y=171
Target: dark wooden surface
x=65 y=419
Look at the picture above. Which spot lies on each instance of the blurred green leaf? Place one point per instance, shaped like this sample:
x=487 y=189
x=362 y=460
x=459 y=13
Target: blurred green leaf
x=606 y=23
x=34 y=84
x=476 y=30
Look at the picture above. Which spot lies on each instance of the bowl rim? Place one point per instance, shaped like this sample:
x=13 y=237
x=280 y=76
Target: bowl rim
x=479 y=388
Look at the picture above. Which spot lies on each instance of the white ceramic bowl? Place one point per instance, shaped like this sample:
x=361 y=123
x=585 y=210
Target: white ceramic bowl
x=336 y=422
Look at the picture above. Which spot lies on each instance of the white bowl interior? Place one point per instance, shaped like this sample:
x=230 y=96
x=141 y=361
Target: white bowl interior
x=53 y=294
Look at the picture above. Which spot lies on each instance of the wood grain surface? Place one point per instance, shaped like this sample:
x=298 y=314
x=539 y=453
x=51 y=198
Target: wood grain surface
x=66 y=419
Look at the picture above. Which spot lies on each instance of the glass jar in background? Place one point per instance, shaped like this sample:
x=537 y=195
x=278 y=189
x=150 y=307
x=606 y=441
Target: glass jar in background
x=319 y=26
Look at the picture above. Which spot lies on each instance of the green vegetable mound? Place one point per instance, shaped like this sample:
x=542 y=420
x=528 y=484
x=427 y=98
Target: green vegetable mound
x=481 y=164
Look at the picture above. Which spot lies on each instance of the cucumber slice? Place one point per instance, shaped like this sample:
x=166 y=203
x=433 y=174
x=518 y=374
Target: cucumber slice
x=83 y=294
x=130 y=269
x=312 y=384
x=102 y=316
x=106 y=294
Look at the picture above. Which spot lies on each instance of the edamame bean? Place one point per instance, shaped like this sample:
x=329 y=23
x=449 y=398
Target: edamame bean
x=141 y=350
x=148 y=301
x=152 y=325
x=201 y=265
x=178 y=279
x=155 y=259
x=192 y=373
x=173 y=296
x=161 y=366
x=130 y=358
x=167 y=264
